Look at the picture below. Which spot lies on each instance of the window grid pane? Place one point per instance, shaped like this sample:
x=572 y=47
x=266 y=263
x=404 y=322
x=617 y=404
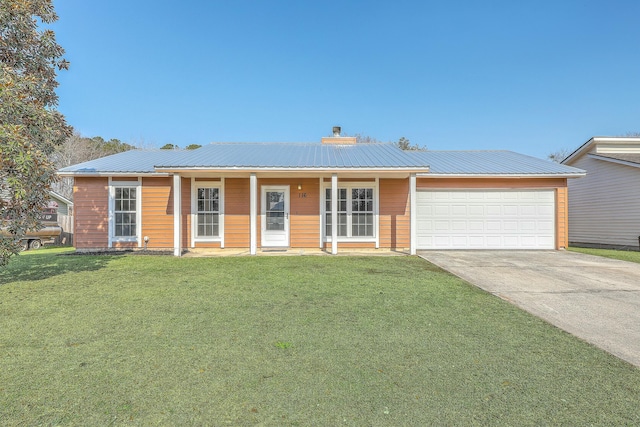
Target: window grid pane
x=125 y=212
x=362 y=212
x=342 y=212
x=208 y=212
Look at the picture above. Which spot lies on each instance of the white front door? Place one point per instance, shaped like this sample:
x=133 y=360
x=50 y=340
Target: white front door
x=275 y=216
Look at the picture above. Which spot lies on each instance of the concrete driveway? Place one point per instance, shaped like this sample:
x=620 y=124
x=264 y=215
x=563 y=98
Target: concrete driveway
x=594 y=298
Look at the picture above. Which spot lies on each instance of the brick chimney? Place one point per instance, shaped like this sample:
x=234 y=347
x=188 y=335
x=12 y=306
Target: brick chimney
x=337 y=139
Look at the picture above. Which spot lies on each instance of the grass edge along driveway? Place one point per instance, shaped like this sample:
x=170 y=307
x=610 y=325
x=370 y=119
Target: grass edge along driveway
x=144 y=340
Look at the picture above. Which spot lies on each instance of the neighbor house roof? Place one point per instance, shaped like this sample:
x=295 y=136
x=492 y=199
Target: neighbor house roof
x=301 y=157
x=60 y=198
x=617 y=145
x=628 y=159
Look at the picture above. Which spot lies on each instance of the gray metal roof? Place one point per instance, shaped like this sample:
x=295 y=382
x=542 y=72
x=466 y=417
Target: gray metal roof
x=295 y=156
x=491 y=163
x=265 y=156
x=133 y=161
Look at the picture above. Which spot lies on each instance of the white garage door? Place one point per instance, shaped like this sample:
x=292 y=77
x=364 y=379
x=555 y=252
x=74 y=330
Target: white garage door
x=505 y=219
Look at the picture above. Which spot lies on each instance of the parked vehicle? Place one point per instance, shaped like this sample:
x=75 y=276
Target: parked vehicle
x=47 y=234
x=35 y=239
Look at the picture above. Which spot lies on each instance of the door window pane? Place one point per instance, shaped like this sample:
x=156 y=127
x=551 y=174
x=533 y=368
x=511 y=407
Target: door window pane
x=275 y=210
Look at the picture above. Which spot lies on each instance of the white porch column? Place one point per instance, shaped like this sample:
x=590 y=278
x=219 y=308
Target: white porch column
x=376 y=212
x=413 y=211
x=322 y=220
x=177 y=215
x=334 y=213
x=253 y=205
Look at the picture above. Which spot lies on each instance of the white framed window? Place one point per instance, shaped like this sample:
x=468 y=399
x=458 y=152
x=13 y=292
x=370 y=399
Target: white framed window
x=124 y=211
x=357 y=210
x=207 y=210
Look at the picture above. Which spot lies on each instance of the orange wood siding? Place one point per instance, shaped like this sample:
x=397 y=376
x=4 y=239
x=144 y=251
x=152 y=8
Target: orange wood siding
x=562 y=217
x=305 y=213
x=91 y=217
x=157 y=212
x=236 y=213
x=124 y=245
x=490 y=183
x=395 y=214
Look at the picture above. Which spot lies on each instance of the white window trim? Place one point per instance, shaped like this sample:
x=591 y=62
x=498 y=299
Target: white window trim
x=349 y=185
x=112 y=214
x=194 y=211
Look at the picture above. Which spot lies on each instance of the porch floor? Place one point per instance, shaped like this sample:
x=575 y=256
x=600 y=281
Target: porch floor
x=215 y=252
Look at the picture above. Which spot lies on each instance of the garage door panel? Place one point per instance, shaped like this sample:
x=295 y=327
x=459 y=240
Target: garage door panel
x=442 y=210
x=460 y=241
x=510 y=226
x=459 y=210
x=476 y=210
x=475 y=219
x=442 y=225
x=511 y=210
x=546 y=226
x=493 y=210
x=475 y=226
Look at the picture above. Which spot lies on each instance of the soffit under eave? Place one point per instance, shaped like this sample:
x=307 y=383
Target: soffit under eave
x=396 y=174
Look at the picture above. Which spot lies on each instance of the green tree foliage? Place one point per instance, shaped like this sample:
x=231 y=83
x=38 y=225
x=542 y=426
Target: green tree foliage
x=559 y=155
x=192 y=147
x=404 y=144
x=30 y=126
x=77 y=149
x=169 y=147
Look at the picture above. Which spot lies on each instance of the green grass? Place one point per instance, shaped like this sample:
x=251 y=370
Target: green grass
x=632 y=256
x=286 y=341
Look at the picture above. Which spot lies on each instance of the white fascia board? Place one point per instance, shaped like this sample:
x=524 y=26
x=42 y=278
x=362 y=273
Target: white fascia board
x=578 y=152
x=106 y=174
x=618 y=161
x=325 y=170
x=451 y=175
x=60 y=197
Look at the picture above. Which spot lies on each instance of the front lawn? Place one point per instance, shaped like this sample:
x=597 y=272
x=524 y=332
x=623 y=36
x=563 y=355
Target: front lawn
x=632 y=256
x=286 y=341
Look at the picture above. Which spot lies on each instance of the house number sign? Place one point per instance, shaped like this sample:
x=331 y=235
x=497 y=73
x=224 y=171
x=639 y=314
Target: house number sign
x=302 y=195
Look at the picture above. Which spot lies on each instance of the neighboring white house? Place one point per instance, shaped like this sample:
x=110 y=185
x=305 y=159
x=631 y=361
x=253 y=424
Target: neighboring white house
x=604 y=207
x=62 y=209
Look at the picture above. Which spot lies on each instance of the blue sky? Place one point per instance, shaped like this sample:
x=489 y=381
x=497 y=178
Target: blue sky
x=527 y=76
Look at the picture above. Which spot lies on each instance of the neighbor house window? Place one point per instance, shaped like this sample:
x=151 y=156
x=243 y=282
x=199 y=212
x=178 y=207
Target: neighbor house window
x=355 y=211
x=208 y=212
x=125 y=212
